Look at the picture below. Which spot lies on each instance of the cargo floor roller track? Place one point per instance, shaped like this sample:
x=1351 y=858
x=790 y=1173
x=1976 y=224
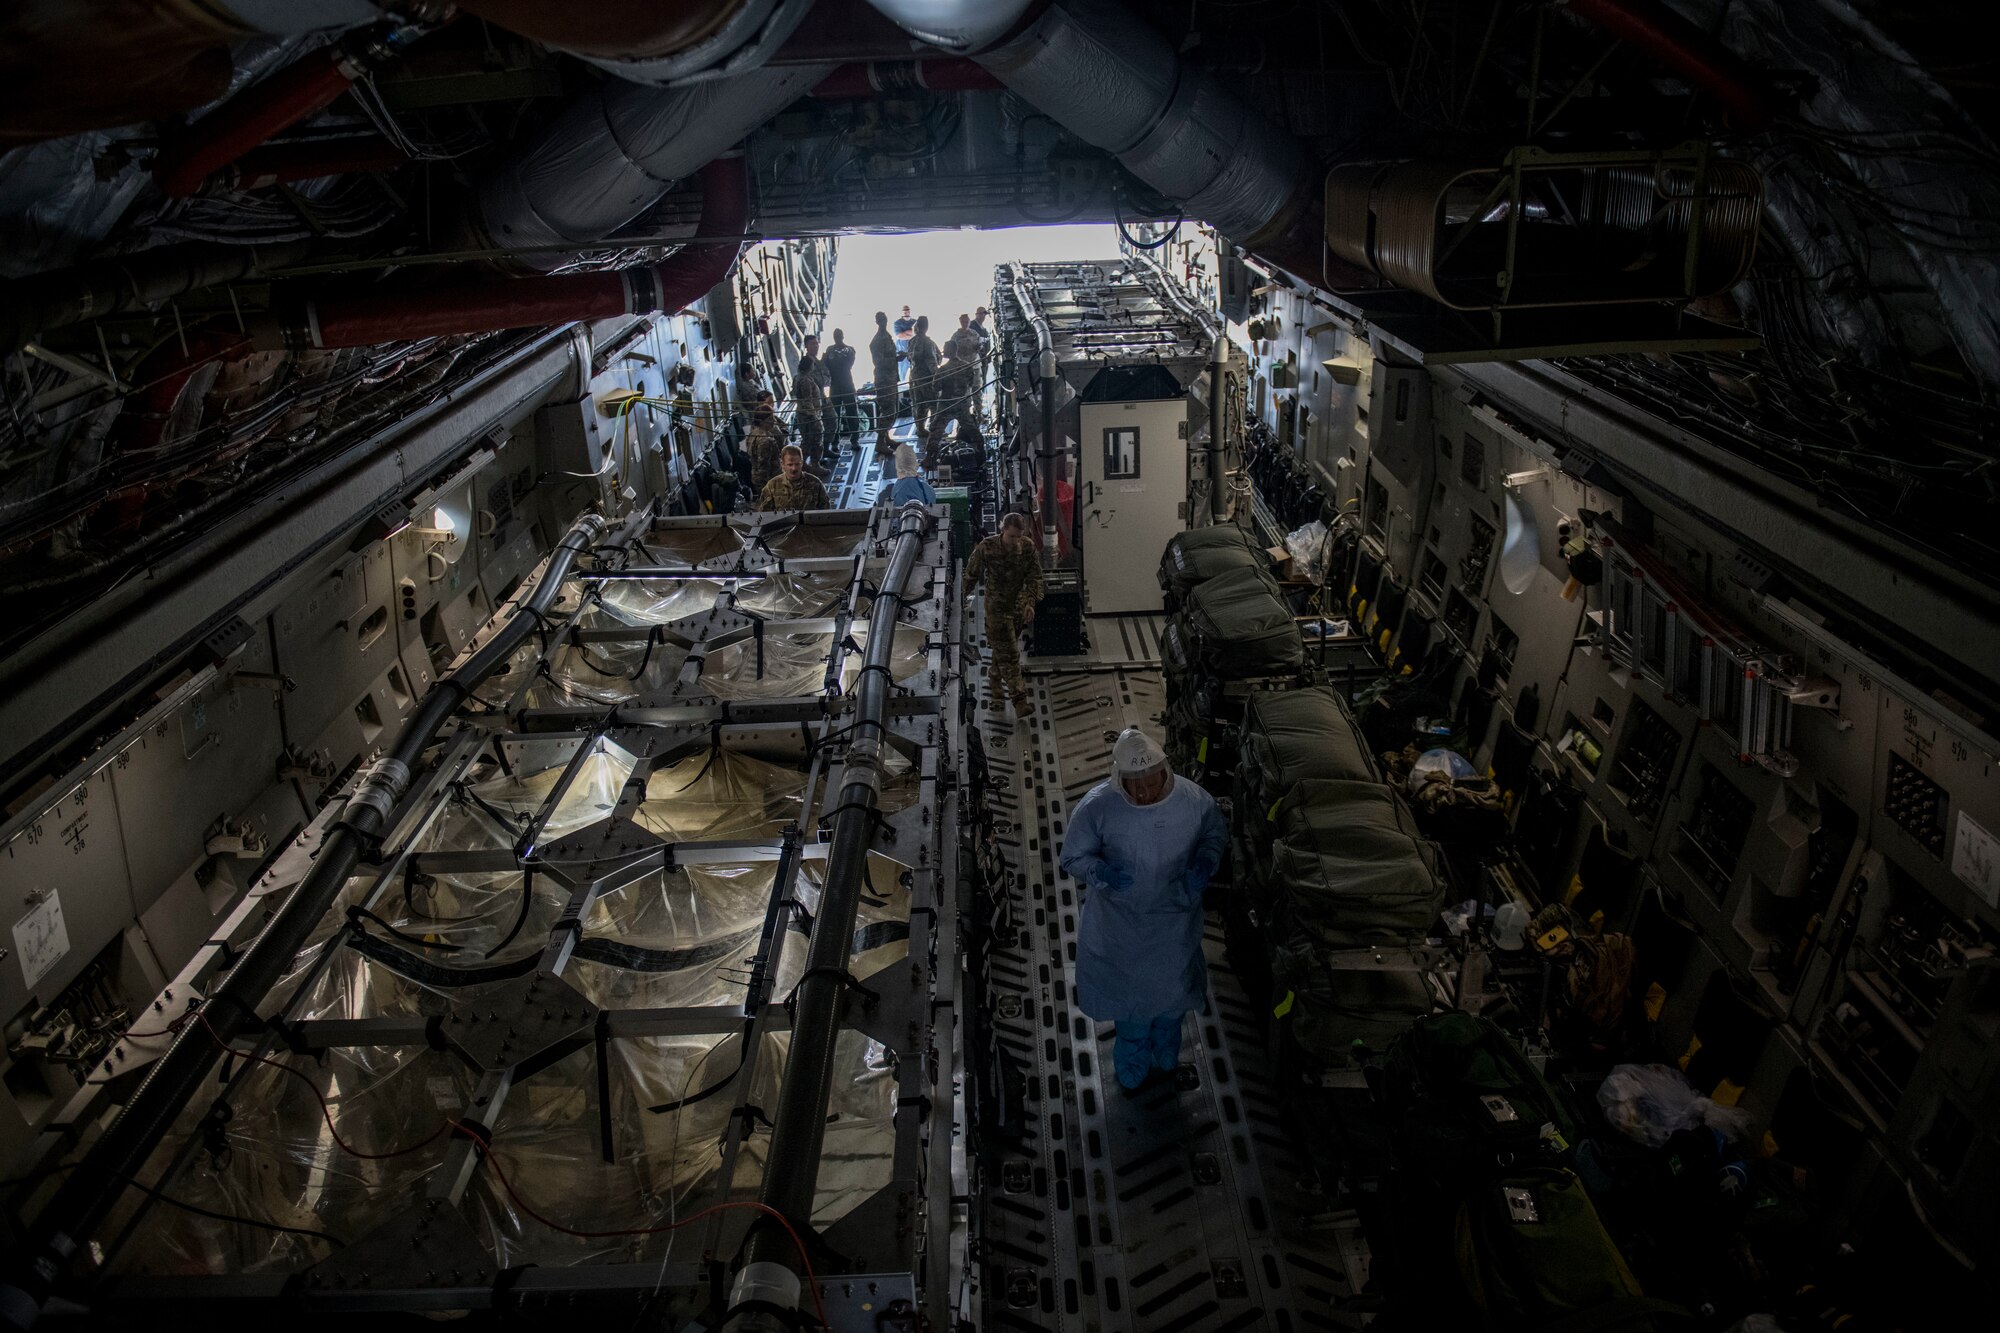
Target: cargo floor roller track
x=1185 y=1208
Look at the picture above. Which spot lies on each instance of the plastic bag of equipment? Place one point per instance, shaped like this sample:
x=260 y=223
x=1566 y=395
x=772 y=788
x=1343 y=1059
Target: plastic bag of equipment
x=1439 y=766
x=1649 y=1104
x=1194 y=557
x=1455 y=803
x=1311 y=546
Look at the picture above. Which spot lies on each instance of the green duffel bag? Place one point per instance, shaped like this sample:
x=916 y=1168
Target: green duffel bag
x=1345 y=1006
x=1236 y=627
x=1194 y=557
x=1468 y=1105
x=1348 y=866
x=1290 y=736
x=1533 y=1255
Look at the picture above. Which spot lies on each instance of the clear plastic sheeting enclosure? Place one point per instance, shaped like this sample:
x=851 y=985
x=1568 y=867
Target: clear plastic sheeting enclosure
x=556 y=997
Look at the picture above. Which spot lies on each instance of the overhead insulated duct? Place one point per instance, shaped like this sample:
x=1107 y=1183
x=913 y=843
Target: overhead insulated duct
x=624 y=29
x=614 y=151
x=660 y=44
x=510 y=303
x=955 y=25
x=30 y=307
x=1109 y=78
x=1550 y=229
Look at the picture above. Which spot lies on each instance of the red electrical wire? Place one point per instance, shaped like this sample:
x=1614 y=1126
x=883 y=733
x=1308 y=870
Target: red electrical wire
x=325 y=1110
x=500 y=1173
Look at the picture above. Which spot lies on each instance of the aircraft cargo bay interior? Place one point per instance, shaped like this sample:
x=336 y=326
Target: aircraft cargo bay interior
x=963 y=665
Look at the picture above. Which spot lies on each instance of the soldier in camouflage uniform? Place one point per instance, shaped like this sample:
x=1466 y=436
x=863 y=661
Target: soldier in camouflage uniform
x=809 y=395
x=924 y=354
x=762 y=444
x=1011 y=568
x=793 y=488
x=888 y=374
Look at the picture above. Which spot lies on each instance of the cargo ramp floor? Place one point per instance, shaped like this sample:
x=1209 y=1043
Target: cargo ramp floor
x=1187 y=1207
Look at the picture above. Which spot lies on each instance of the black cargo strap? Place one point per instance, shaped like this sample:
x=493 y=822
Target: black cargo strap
x=510 y=820
x=611 y=953
x=370 y=839
x=847 y=979
x=358 y=914
x=602 y=1035
x=714 y=749
x=654 y=638
x=882 y=667
x=689 y=1099
x=541 y=626
x=288 y=1033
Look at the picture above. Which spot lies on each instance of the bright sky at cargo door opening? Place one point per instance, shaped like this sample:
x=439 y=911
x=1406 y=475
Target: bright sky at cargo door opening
x=942 y=274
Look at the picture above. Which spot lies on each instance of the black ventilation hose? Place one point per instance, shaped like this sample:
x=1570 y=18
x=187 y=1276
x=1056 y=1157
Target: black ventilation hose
x=61 y=1229
x=791 y=1170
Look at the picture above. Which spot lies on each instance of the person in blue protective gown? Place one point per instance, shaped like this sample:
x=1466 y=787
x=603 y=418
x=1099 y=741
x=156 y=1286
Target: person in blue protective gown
x=910 y=484
x=1144 y=844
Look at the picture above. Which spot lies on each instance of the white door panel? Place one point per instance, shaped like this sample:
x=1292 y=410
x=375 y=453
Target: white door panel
x=1134 y=498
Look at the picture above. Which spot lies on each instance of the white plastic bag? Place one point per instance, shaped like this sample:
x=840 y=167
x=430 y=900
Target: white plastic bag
x=1651 y=1103
x=1309 y=547
x=1451 y=764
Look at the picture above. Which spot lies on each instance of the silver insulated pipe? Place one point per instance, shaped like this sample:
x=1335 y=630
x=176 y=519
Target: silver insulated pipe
x=614 y=151
x=1107 y=77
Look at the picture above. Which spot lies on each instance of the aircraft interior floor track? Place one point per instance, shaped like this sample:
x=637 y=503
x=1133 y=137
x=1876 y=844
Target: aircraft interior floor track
x=1186 y=1207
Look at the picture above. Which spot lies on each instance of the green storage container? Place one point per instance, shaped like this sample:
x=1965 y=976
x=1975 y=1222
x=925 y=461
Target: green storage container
x=958 y=500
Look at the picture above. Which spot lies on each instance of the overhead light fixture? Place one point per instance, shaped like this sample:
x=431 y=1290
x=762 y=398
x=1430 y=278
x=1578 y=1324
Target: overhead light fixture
x=381 y=525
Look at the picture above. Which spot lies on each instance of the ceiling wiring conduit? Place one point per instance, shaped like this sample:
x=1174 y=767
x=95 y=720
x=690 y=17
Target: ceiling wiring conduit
x=32 y=306
x=295 y=93
x=1111 y=79
x=89 y=1192
x=509 y=303
x=770 y=1259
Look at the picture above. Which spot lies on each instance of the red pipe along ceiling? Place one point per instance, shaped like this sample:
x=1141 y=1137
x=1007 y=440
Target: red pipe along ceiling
x=1678 y=44
x=513 y=303
x=300 y=90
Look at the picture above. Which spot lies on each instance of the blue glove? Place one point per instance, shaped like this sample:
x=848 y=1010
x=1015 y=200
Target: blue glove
x=1197 y=879
x=1115 y=877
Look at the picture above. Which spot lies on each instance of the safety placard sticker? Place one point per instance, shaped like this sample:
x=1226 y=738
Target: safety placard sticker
x=41 y=938
x=1975 y=859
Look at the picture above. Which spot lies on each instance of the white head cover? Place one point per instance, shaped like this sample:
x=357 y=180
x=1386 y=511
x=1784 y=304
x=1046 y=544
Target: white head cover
x=1135 y=752
x=906 y=461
